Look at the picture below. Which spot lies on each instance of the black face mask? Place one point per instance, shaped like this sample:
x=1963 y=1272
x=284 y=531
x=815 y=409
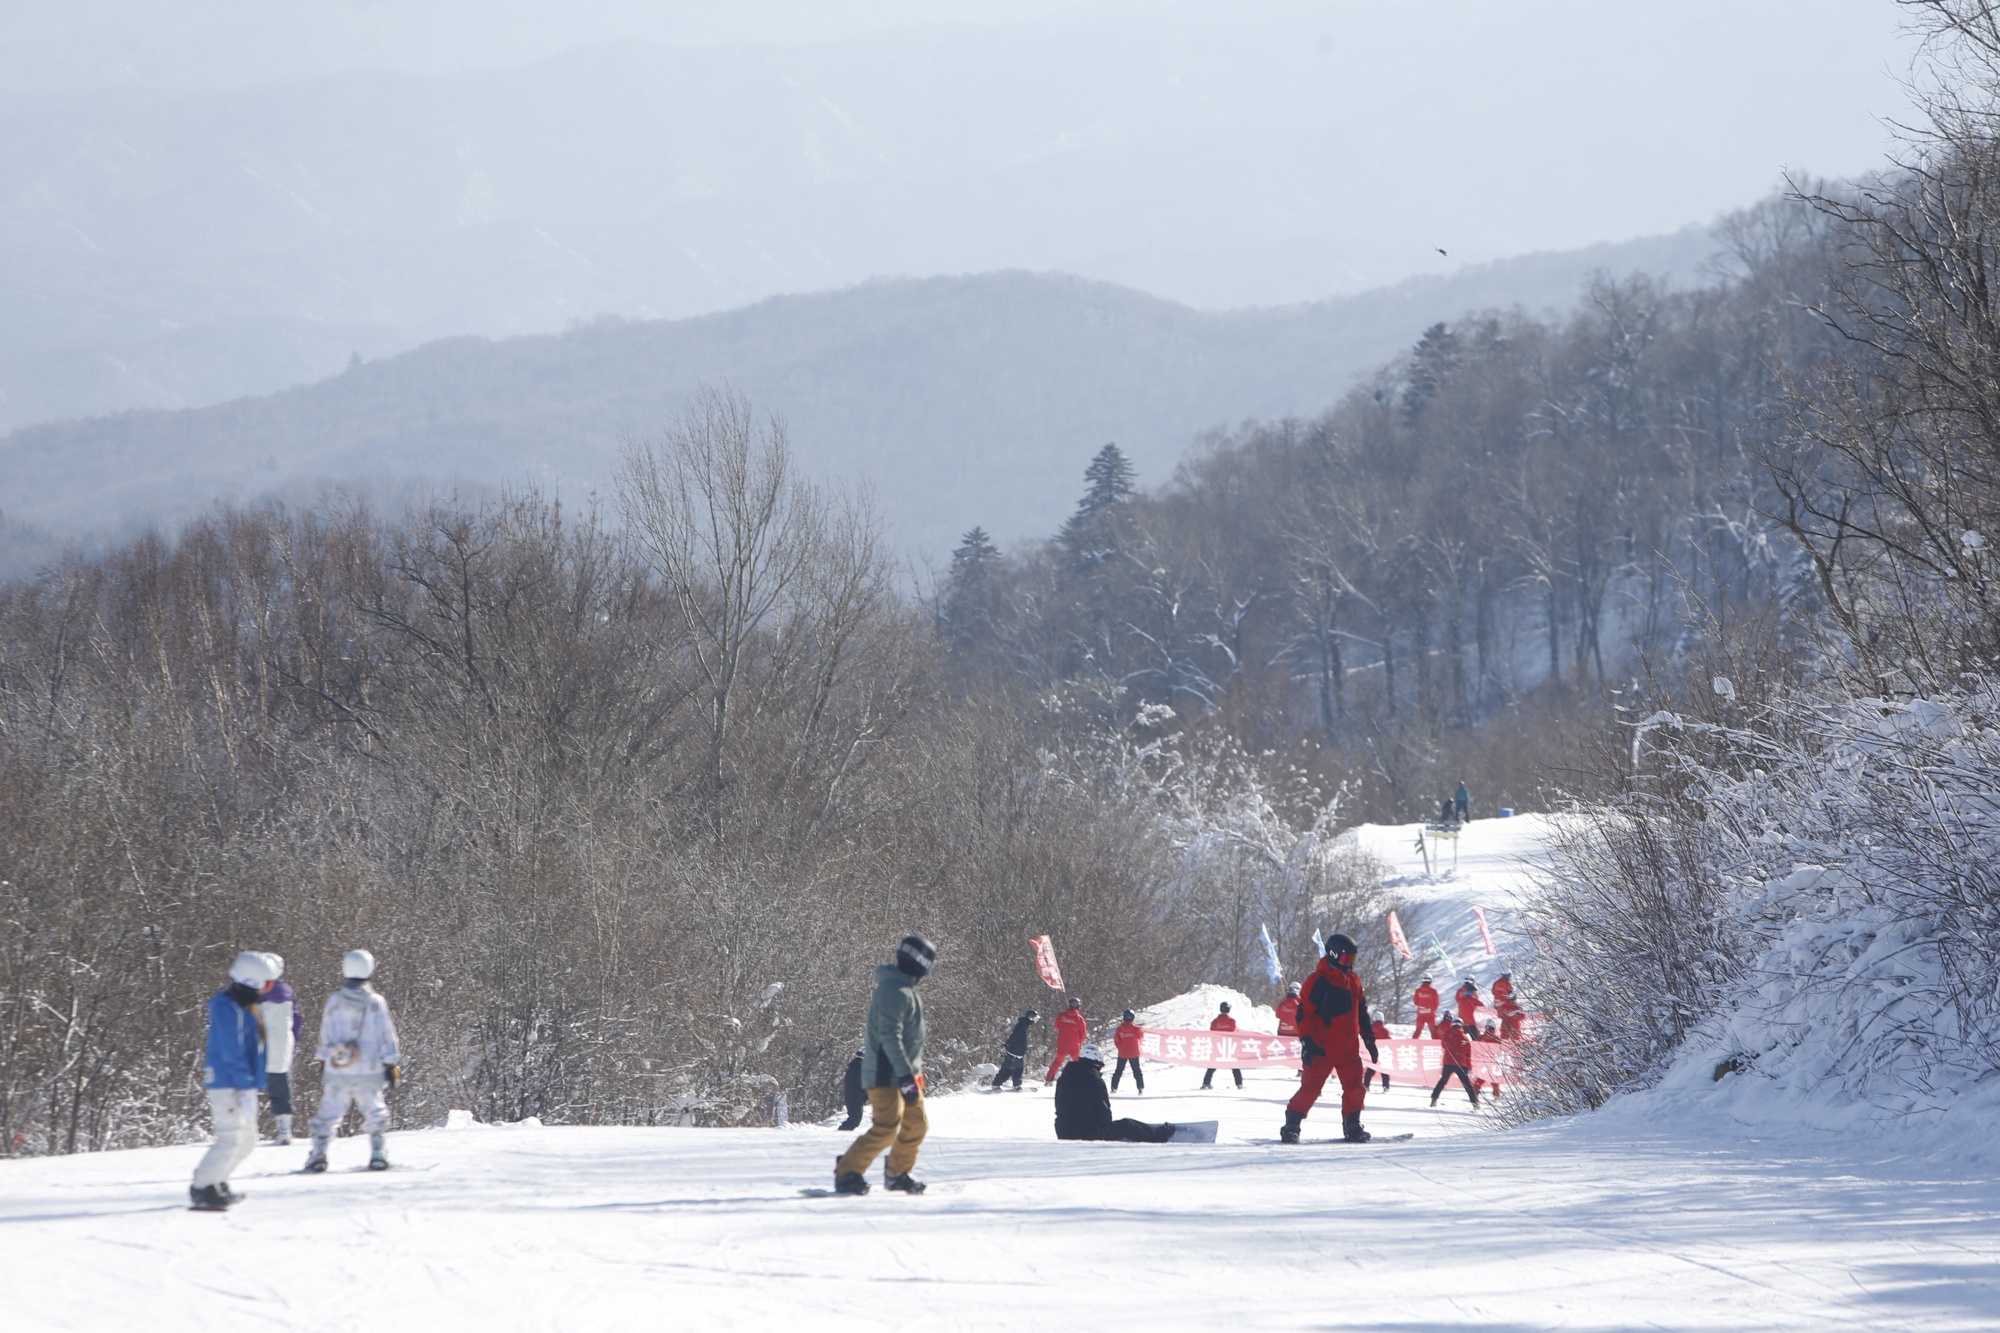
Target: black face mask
x=244 y=995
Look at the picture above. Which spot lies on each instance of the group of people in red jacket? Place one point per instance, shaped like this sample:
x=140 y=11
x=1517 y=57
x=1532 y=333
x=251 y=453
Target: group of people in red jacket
x=1329 y=1015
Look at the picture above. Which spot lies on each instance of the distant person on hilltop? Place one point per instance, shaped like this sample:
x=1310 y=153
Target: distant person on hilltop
x=1014 y=1054
x=1426 y=1001
x=1083 y=1107
x=279 y=1013
x=1288 y=1012
x=1071 y=1031
x=1333 y=1028
x=1461 y=801
x=1381 y=1035
x=1127 y=1037
x=894 y=1063
x=1222 y=1022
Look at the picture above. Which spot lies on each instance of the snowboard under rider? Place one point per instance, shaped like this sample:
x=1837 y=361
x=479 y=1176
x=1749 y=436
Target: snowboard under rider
x=1072 y=1030
x=359 y=1062
x=1457 y=1059
x=1333 y=1027
x=1083 y=1105
x=1426 y=1002
x=279 y=1012
x=853 y=1094
x=893 y=1059
x=1014 y=1052
x=1222 y=1022
x=232 y=1075
x=1127 y=1038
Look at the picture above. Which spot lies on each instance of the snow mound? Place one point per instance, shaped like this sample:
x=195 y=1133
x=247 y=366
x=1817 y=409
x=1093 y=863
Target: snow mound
x=1195 y=1008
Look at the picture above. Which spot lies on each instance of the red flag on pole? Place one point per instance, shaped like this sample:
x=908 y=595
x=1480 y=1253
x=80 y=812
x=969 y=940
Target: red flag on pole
x=1045 y=961
x=1397 y=938
x=1484 y=933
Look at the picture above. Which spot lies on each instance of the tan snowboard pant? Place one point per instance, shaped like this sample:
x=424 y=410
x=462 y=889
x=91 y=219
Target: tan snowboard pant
x=895 y=1120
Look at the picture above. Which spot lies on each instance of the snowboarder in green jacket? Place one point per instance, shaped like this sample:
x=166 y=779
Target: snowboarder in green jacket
x=892 y=1055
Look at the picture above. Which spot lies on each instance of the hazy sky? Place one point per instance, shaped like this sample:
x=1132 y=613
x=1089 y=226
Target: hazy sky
x=1218 y=154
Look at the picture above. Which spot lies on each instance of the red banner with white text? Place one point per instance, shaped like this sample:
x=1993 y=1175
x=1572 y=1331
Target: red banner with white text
x=1492 y=1062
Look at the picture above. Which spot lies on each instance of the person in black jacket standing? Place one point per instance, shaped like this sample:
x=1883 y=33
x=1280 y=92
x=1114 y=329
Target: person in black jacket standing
x=853 y=1094
x=1083 y=1105
x=1015 y=1051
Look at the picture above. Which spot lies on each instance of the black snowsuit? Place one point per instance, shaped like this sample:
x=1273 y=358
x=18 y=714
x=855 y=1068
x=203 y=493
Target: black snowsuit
x=853 y=1094
x=1083 y=1109
x=1016 y=1052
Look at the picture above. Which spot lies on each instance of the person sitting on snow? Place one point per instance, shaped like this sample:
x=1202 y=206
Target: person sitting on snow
x=1083 y=1105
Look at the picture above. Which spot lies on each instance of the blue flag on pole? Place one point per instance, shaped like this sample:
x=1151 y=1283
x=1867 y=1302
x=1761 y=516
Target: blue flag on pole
x=1318 y=943
x=1271 y=963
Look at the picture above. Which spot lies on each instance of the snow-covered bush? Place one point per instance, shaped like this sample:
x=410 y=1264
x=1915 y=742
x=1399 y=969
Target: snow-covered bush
x=1831 y=915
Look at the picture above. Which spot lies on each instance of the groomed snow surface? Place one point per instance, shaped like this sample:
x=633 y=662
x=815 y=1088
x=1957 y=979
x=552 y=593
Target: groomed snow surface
x=1610 y=1222
x=1659 y=1212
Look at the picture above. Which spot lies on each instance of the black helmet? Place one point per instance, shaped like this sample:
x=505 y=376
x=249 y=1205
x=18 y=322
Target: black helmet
x=1225 y=1006
x=1075 y=1003
x=916 y=956
x=1130 y=1017
x=1338 y=944
x=1031 y=1014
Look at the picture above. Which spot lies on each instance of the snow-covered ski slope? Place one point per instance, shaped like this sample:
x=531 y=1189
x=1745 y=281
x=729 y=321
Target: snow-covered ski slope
x=1490 y=865
x=1658 y=1212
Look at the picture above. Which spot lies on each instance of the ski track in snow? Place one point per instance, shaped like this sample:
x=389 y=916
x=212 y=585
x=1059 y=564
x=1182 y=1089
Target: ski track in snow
x=1606 y=1222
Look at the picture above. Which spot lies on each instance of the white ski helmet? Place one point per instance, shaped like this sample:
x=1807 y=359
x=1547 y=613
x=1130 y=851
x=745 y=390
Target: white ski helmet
x=252 y=969
x=277 y=962
x=359 y=965
x=1091 y=1052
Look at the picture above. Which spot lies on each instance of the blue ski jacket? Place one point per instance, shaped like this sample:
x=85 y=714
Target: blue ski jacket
x=235 y=1056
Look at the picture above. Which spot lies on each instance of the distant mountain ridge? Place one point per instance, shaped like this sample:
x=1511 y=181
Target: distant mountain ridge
x=957 y=400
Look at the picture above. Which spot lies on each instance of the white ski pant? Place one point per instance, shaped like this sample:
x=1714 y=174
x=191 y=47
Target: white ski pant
x=361 y=1091
x=234 y=1111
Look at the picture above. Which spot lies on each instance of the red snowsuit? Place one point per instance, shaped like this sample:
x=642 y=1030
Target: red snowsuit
x=1503 y=990
x=1510 y=1018
x=1127 y=1040
x=1071 y=1029
x=1457 y=1048
x=1222 y=1023
x=1330 y=1028
x=1288 y=1016
x=1426 y=1000
x=1468 y=1002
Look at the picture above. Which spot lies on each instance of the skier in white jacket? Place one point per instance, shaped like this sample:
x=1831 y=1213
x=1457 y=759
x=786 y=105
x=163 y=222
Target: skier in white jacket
x=357 y=1050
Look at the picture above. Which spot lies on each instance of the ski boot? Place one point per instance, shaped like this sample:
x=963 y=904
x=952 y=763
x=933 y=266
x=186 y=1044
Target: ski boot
x=1351 y=1130
x=378 y=1153
x=316 y=1159
x=229 y=1196
x=848 y=1182
x=903 y=1183
x=207 y=1199
x=284 y=1136
x=1293 y=1123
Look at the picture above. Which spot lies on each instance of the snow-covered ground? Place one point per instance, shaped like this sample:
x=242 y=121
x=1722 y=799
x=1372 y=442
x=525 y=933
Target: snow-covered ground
x=1609 y=1222
x=1435 y=886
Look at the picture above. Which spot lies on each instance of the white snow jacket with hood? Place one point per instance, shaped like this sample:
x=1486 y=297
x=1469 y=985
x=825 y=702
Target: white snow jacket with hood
x=356 y=1035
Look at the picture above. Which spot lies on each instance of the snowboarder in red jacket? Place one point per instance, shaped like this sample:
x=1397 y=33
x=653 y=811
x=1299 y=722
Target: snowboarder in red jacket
x=1333 y=1027
x=1127 y=1037
x=1381 y=1035
x=1468 y=1002
x=1503 y=988
x=1071 y=1030
x=1426 y=1000
x=1457 y=1059
x=1222 y=1022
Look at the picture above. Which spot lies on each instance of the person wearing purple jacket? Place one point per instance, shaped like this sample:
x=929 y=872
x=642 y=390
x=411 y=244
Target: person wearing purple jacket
x=279 y=1012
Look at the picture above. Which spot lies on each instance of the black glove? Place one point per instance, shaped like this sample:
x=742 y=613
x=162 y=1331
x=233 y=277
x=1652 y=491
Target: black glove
x=909 y=1086
x=395 y=1074
x=1312 y=1050
x=1374 y=1055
